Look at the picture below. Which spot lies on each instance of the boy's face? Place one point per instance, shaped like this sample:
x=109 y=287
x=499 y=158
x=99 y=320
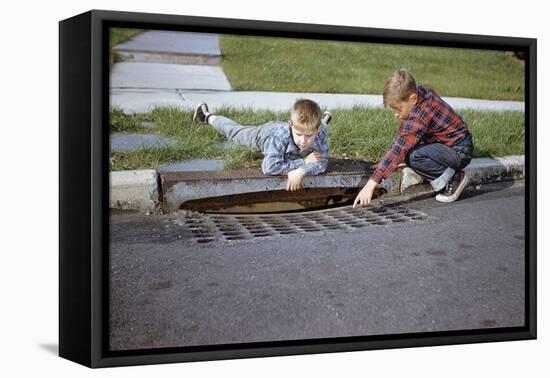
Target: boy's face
x=402 y=109
x=303 y=139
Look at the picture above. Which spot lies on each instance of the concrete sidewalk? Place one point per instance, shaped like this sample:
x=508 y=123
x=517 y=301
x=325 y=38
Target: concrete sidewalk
x=158 y=46
x=178 y=69
x=167 y=78
x=143 y=100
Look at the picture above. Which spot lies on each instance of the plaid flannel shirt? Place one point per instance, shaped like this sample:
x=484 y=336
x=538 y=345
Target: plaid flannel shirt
x=431 y=120
x=281 y=155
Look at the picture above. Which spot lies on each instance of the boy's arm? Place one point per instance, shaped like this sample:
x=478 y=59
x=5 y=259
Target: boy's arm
x=365 y=195
x=274 y=162
x=410 y=134
x=321 y=147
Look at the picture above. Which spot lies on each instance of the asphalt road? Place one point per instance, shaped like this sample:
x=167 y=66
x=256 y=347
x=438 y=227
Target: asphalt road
x=461 y=268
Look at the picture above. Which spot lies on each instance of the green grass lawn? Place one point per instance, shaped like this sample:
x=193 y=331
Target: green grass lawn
x=360 y=133
x=128 y=123
x=297 y=65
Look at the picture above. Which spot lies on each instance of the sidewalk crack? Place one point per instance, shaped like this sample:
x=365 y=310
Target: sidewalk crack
x=178 y=91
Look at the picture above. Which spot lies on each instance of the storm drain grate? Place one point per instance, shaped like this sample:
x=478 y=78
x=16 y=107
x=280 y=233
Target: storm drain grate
x=206 y=228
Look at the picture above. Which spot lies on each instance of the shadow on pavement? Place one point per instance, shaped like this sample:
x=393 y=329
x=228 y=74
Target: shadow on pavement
x=51 y=348
x=477 y=190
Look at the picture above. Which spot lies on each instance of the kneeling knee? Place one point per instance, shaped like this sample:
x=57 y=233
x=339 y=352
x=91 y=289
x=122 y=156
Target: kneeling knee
x=412 y=158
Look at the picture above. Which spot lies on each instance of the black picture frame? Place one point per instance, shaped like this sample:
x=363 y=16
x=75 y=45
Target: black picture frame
x=84 y=191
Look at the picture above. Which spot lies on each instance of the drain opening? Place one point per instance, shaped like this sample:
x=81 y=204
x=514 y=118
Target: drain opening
x=398 y=220
x=254 y=216
x=236 y=238
x=204 y=240
x=211 y=227
x=275 y=201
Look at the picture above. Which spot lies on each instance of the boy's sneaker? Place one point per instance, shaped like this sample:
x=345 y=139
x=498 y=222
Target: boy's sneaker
x=327 y=116
x=455 y=186
x=201 y=113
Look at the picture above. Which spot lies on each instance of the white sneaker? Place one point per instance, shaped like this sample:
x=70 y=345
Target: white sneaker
x=327 y=117
x=454 y=187
x=201 y=113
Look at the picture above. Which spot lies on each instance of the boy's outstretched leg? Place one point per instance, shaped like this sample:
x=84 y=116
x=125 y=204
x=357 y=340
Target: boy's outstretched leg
x=234 y=132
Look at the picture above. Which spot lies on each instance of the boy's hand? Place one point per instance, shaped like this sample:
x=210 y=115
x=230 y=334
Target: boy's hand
x=313 y=157
x=365 y=195
x=295 y=178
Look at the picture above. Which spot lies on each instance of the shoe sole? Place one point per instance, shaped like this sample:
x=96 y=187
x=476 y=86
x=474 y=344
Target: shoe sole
x=327 y=116
x=454 y=197
x=196 y=113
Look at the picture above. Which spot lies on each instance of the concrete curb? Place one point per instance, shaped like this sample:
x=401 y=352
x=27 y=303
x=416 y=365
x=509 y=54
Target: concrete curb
x=134 y=190
x=480 y=171
x=138 y=190
x=175 y=194
x=485 y=170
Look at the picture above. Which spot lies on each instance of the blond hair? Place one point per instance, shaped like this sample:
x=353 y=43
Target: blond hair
x=306 y=115
x=399 y=86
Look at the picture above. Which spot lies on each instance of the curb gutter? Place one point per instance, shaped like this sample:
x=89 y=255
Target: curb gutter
x=139 y=189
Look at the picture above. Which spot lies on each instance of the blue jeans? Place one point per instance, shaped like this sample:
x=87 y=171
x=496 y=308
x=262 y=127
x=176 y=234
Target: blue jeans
x=438 y=162
x=252 y=136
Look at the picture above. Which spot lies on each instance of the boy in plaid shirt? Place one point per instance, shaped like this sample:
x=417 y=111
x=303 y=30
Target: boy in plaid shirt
x=296 y=148
x=432 y=138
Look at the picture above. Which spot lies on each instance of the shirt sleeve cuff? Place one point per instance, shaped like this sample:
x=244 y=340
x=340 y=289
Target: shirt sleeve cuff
x=376 y=177
x=293 y=164
x=313 y=169
x=309 y=169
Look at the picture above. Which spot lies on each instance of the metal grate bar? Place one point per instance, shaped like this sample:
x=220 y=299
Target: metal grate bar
x=207 y=228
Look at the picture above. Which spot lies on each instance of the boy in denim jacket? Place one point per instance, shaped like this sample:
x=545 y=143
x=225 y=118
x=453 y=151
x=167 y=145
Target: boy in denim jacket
x=296 y=148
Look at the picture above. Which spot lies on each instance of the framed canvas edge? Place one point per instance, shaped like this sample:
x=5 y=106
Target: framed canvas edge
x=322 y=346
x=99 y=214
